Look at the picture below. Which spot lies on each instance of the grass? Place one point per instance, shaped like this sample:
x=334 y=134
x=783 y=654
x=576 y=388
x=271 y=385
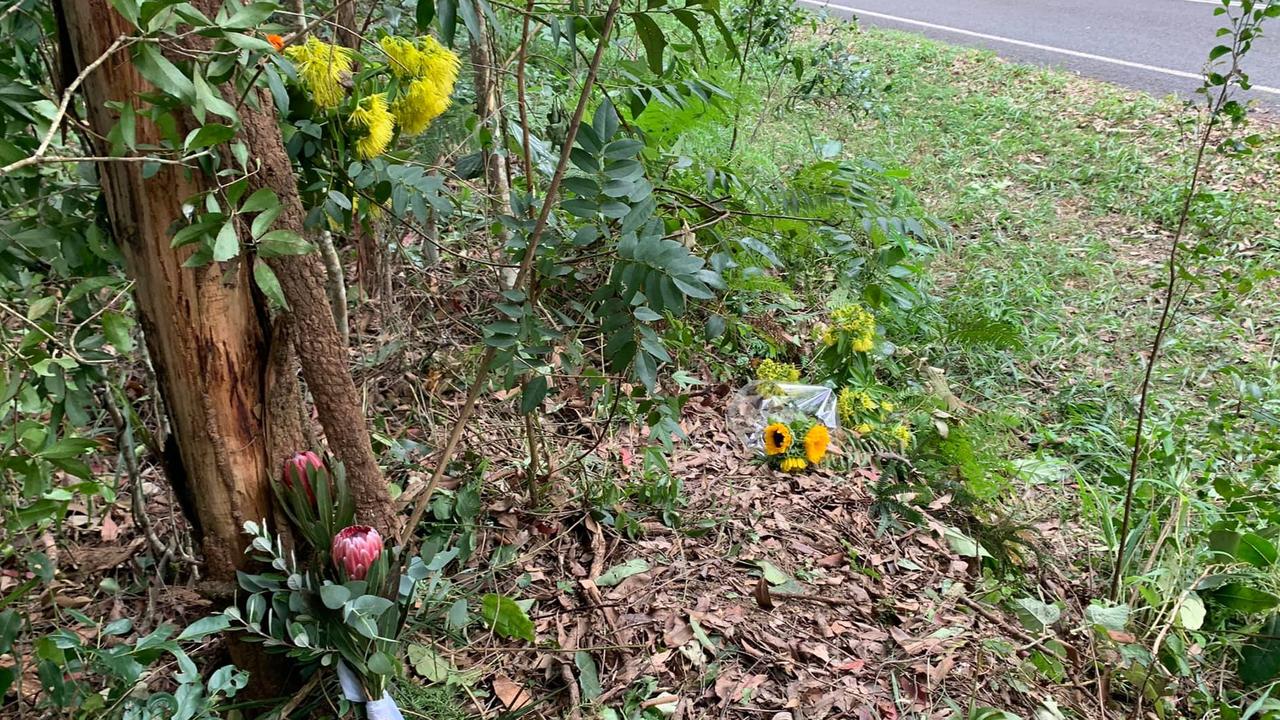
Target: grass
x=1062 y=194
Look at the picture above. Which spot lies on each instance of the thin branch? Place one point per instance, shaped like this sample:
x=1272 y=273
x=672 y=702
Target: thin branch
x=526 y=266
x=67 y=96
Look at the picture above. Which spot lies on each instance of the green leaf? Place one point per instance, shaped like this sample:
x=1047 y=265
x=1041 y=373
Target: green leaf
x=1260 y=656
x=381 y=663
x=262 y=223
x=278 y=243
x=1035 y=615
x=532 y=394
x=588 y=675
x=646 y=370
x=618 y=573
x=447 y=19
x=67 y=448
x=1111 y=617
x=249 y=17
x=430 y=664
x=260 y=200
x=116 y=329
x=423 y=15
x=652 y=38
x=622 y=149
x=1191 y=614
x=1256 y=550
x=334 y=596
x=269 y=284
x=207 y=99
x=772 y=573
x=505 y=617
x=205 y=627
x=158 y=71
x=458 y=617
x=227 y=244
x=1242 y=598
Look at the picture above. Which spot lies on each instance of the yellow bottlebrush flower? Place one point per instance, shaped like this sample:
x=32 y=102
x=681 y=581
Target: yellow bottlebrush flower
x=847 y=405
x=902 y=434
x=777 y=439
x=863 y=429
x=777 y=371
x=373 y=118
x=320 y=69
x=816 y=442
x=863 y=344
x=792 y=465
x=432 y=70
x=403 y=58
x=886 y=406
x=419 y=105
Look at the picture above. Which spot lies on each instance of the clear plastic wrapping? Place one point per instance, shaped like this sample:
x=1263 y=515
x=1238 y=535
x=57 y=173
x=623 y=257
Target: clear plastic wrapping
x=759 y=403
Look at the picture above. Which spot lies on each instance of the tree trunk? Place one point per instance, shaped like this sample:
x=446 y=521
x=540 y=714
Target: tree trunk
x=226 y=390
x=226 y=376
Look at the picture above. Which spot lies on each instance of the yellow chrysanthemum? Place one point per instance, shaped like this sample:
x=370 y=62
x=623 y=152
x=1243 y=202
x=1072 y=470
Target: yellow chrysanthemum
x=792 y=465
x=777 y=371
x=863 y=429
x=902 y=434
x=816 y=442
x=320 y=69
x=777 y=439
x=374 y=120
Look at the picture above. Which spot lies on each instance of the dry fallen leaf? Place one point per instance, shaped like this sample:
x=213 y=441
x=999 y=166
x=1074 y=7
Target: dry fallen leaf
x=511 y=693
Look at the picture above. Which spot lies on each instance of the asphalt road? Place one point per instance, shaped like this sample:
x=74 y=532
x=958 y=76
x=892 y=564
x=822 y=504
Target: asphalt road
x=1160 y=46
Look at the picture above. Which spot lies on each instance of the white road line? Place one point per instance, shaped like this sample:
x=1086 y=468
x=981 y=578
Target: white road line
x=1024 y=43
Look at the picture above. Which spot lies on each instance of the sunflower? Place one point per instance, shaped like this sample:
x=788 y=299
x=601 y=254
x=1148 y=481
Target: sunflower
x=816 y=442
x=777 y=439
x=793 y=465
x=321 y=67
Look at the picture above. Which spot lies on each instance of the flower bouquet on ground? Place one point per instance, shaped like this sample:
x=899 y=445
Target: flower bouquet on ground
x=342 y=607
x=795 y=446
x=788 y=422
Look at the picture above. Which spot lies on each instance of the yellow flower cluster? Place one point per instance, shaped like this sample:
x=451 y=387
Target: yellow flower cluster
x=320 y=68
x=858 y=322
x=777 y=371
x=902 y=434
x=373 y=118
x=431 y=71
x=854 y=403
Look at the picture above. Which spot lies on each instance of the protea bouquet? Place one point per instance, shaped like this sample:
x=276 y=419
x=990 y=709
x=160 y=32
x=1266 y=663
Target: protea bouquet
x=344 y=605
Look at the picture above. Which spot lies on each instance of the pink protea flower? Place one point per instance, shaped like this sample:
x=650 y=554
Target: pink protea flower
x=295 y=471
x=355 y=549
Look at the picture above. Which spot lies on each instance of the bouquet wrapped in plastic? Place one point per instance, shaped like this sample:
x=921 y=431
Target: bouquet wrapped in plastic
x=788 y=422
